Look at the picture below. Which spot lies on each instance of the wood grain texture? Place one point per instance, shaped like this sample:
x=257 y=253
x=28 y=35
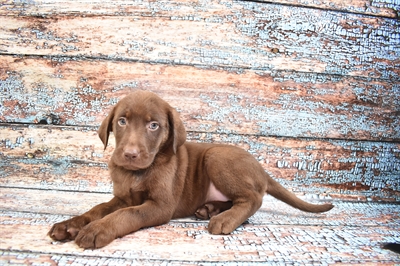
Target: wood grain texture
x=56 y=157
x=309 y=88
x=242 y=34
x=276 y=233
x=163 y=8
x=274 y=103
x=375 y=8
x=272 y=211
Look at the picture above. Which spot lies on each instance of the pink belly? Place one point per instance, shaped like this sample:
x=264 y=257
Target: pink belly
x=214 y=194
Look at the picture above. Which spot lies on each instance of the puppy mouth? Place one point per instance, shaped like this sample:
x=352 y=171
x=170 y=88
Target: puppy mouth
x=141 y=162
x=133 y=167
x=136 y=165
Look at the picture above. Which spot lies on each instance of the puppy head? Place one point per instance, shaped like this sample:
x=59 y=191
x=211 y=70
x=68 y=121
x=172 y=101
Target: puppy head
x=144 y=126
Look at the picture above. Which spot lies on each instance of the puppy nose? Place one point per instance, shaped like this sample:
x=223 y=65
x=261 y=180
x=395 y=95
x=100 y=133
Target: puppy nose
x=131 y=154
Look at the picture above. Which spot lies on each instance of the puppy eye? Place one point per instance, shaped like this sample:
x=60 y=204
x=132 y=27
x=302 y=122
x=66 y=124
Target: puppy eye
x=122 y=121
x=153 y=126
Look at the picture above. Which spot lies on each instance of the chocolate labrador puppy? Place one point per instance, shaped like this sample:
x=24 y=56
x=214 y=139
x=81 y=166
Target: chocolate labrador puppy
x=158 y=176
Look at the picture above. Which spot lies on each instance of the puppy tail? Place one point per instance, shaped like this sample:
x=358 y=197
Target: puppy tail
x=278 y=191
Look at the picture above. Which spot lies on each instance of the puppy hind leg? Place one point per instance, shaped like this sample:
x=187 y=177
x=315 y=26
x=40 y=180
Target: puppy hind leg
x=212 y=208
x=240 y=178
x=227 y=221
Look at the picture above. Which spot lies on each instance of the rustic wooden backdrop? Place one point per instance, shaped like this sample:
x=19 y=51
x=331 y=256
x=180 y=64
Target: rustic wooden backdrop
x=310 y=88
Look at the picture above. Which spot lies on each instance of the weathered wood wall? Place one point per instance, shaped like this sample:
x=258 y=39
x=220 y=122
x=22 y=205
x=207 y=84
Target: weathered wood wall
x=311 y=89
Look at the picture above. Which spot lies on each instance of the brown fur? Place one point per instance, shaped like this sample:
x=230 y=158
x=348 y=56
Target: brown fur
x=157 y=176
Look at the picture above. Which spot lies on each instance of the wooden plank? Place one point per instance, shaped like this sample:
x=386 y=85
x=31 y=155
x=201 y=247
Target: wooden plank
x=185 y=241
x=68 y=203
x=40 y=258
x=245 y=35
x=64 y=158
x=272 y=211
x=252 y=102
x=164 y=8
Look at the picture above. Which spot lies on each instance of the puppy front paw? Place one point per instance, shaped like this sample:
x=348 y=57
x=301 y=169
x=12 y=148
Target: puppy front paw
x=95 y=235
x=222 y=225
x=69 y=229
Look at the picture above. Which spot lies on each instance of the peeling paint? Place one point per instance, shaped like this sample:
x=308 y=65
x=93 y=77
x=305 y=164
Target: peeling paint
x=50 y=105
x=245 y=35
x=189 y=11
x=268 y=103
x=291 y=115
x=306 y=35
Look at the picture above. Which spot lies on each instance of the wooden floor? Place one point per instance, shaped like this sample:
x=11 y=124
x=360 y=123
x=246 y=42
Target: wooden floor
x=351 y=233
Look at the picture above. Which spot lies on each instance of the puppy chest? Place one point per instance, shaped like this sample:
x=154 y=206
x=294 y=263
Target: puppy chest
x=131 y=191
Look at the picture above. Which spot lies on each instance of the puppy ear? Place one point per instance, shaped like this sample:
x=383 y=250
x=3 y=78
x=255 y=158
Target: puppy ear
x=177 y=130
x=105 y=128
